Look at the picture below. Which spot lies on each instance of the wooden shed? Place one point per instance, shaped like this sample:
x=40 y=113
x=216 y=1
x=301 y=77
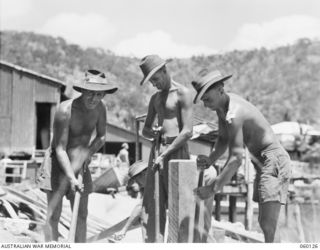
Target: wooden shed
x=28 y=101
x=117 y=135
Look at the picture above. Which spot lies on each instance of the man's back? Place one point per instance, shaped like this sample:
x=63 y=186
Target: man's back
x=257 y=132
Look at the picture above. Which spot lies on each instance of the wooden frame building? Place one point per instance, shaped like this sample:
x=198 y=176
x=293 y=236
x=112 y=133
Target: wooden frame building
x=28 y=101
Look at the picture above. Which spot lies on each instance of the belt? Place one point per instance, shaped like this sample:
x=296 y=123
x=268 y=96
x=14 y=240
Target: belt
x=167 y=140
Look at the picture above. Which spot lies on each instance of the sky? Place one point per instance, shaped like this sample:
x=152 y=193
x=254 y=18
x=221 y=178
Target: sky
x=170 y=28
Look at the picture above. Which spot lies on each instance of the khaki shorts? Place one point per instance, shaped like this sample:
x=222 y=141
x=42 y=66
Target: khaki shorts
x=51 y=177
x=273 y=175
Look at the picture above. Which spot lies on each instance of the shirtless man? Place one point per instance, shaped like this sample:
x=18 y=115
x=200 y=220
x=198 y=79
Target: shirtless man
x=172 y=105
x=123 y=155
x=242 y=124
x=71 y=150
x=135 y=186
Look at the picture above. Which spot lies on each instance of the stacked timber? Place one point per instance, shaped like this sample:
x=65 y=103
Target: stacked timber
x=33 y=214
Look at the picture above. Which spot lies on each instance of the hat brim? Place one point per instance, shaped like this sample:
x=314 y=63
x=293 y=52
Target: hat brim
x=138 y=168
x=108 y=89
x=153 y=71
x=207 y=85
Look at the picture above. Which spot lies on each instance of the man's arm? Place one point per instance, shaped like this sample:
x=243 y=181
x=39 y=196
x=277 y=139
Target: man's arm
x=220 y=145
x=100 y=138
x=151 y=115
x=185 y=101
x=61 y=133
x=236 y=151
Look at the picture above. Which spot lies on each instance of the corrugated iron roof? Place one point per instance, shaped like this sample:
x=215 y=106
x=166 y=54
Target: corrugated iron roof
x=31 y=72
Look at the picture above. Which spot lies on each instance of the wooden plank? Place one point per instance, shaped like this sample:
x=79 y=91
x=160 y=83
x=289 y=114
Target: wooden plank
x=5 y=135
x=249 y=198
x=5 y=92
x=23 y=114
x=94 y=224
x=9 y=208
x=183 y=178
x=238 y=234
x=299 y=222
x=231 y=189
x=46 y=92
x=108 y=232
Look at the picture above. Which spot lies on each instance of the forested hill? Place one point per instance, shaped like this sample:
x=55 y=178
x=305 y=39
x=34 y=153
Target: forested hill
x=284 y=83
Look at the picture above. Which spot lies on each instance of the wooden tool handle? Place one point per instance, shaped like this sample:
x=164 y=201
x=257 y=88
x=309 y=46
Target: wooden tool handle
x=156 y=190
x=75 y=210
x=196 y=233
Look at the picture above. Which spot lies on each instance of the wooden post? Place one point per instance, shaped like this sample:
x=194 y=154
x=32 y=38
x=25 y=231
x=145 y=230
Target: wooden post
x=232 y=208
x=286 y=214
x=183 y=178
x=299 y=222
x=157 y=190
x=138 y=156
x=217 y=199
x=249 y=202
x=233 y=202
x=217 y=209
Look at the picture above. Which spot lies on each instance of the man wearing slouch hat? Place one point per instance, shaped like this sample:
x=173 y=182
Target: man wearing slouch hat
x=71 y=150
x=242 y=124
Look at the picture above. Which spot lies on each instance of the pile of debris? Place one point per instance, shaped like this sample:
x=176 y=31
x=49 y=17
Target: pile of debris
x=23 y=215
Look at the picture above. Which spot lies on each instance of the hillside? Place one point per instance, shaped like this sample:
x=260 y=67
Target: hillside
x=284 y=83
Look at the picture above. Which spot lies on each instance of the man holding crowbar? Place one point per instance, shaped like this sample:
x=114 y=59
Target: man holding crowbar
x=156 y=167
x=71 y=150
x=242 y=124
x=172 y=106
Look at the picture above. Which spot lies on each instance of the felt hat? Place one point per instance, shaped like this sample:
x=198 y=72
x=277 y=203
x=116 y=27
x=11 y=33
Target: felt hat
x=151 y=64
x=205 y=79
x=96 y=80
x=137 y=167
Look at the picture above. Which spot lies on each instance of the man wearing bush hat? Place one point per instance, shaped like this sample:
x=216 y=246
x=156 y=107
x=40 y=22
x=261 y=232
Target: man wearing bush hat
x=242 y=124
x=172 y=106
x=71 y=150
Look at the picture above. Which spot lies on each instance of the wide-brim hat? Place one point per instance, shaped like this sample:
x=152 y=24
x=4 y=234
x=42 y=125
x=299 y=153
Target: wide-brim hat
x=150 y=64
x=96 y=80
x=137 y=167
x=206 y=79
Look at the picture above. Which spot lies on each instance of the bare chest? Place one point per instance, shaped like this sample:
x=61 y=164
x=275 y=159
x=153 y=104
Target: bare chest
x=83 y=123
x=167 y=105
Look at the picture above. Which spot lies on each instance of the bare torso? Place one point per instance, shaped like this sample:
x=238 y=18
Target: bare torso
x=166 y=105
x=81 y=124
x=257 y=132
